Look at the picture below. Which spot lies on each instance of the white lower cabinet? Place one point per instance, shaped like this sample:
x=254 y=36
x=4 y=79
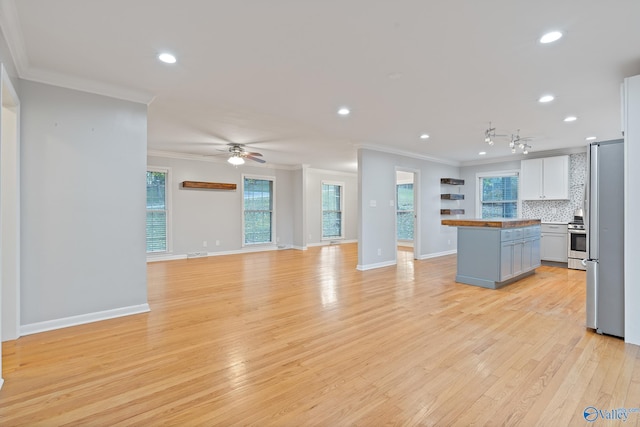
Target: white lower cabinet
x=553 y=242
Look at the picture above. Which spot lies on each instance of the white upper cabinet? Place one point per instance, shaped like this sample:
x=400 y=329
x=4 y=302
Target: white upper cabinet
x=545 y=179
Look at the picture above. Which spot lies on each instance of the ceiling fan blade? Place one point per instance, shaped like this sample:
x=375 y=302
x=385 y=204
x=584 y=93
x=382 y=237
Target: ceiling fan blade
x=255 y=159
x=254 y=154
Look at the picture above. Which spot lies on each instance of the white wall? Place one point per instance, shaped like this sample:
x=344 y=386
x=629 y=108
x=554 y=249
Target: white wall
x=83 y=206
x=8 y=65
x=299 y=208
x=377 y=185
x=285 y=200
x=9 y=210
x=632 y=207
x=315 y=178
x=200 y=215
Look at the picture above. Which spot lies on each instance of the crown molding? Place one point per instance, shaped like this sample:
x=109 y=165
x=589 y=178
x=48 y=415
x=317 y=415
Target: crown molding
x=407 y=154
x=332 y=172
x=214 y=159
x=531 y=155
x=87 y=85
x=10 y=25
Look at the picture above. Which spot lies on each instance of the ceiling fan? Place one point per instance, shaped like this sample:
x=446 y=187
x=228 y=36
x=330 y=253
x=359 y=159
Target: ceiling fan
x=237 y=154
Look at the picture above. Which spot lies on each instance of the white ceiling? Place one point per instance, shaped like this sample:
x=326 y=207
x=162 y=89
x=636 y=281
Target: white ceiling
x=272 y=74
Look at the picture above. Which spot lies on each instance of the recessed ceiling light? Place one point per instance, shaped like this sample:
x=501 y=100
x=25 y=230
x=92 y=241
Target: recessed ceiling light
x=424 y=136
x=546 y=98
x=167 y=58
x=550 y=37
x=570 y=119
x=482 y=153
x=591 y=138
x=344 y=111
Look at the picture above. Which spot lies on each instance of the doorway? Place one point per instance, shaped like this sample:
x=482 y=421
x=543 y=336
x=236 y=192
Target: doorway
x=407 y=233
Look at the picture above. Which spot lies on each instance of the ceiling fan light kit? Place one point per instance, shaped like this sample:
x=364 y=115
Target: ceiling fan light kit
x=236 y=160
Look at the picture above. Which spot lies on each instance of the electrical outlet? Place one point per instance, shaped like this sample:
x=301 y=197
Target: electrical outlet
x=379 y=251
x=217 y=242
x=204 y=243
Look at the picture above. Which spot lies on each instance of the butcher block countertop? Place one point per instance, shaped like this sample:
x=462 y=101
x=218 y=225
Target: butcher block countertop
x=491 y=222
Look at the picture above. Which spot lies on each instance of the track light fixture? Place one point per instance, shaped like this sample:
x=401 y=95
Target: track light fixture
x=515 y=141
x=489 y=134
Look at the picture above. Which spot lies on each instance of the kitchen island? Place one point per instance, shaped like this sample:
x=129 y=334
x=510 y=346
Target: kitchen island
x=496 y=252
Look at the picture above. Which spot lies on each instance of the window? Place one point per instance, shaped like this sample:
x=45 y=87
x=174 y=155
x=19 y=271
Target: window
x=258 y=210
x=331 y=210
x=157 y=210
x=404 y=206
x=498 y=195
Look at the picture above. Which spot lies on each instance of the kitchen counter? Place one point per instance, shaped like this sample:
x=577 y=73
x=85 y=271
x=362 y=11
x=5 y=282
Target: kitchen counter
x=496 y=252
x=491 y=222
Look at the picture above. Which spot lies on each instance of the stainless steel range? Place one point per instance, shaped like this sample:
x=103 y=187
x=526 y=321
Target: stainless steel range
x=577 y=241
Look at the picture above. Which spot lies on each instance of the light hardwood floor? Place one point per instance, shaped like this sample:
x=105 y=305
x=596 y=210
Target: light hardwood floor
x=296 y=338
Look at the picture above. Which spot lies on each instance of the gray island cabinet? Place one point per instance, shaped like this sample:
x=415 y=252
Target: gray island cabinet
x=496 y=252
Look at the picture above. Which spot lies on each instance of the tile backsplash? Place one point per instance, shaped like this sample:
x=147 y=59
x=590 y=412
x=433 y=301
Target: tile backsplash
x=561 y=210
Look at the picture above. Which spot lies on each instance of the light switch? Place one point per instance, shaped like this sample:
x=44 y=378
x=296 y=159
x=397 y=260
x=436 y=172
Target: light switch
x=373 y=203
x=391 y=203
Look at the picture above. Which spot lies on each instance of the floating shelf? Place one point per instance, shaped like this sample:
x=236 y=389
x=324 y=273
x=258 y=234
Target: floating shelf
x=454 y=196
x=452 y=181
x=208 y=185
x=451 y=211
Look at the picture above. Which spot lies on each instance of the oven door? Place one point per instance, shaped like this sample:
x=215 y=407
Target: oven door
x=577 y=244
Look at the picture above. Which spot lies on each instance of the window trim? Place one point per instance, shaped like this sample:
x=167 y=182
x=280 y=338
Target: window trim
x=168 y=205
x=273 y=210
x=342 y=213
x=502 y=173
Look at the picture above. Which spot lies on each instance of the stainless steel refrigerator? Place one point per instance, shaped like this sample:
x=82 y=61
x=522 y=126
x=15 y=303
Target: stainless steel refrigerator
x=604 y=220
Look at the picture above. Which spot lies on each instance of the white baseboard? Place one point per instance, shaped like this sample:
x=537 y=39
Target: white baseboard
x=300 y=248
x=331 y=242
x=438 y=254
x=247 y=250
x=156 y=258
x=377 y=265
x=49 y=325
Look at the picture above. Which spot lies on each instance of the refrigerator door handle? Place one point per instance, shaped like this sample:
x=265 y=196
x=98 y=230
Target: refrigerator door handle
x=593 y=218
x=592 y=293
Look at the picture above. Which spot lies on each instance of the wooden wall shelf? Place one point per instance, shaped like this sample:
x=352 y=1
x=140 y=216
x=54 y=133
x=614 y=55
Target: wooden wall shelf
x=452 y=181
x=453 y=196
x=451 y=211
x=208 y=185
